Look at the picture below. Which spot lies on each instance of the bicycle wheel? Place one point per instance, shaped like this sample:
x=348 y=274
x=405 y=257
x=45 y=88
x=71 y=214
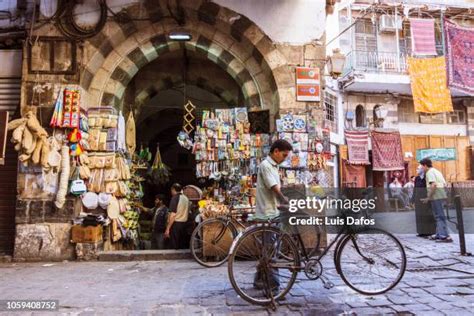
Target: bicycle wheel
x=371 y=262
x=257 y=270
x=211 y=241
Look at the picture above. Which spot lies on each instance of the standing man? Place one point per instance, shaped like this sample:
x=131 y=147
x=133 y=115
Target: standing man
x=269 y=196
x=179 y=210
x=436 y=196
x=159 y=221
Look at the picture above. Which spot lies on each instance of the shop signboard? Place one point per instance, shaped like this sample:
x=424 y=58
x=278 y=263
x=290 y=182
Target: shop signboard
x=308 y=84
x=436 y=154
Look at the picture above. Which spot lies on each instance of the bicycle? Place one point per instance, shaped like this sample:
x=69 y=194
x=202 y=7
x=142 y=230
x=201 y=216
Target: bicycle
x=264 y=262
x=211 y=239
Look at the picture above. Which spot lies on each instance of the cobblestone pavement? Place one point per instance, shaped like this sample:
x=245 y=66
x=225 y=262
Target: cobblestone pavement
x=438 y=281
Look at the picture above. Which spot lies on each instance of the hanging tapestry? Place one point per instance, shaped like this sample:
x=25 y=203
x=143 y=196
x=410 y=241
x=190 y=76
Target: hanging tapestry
x=353 y=176
x=429 y=86
x=460 y=57
x=358 y=146
x=386 y=151
x=423 y=37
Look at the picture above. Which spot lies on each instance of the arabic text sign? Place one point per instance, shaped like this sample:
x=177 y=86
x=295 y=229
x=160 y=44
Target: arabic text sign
x=436 y=154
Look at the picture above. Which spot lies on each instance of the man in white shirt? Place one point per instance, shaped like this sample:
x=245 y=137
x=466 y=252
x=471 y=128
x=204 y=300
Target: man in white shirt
x=268 y=181
x=269 y=196
x=178 y=216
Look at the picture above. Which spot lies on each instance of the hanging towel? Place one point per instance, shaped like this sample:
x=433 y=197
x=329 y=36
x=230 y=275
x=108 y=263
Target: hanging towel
x=460 y=57
x=121 y=145
x=429 y=86
x=423 y=37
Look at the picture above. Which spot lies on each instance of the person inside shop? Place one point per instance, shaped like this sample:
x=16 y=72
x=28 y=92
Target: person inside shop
x=408 y=188
x=268 y=199
x=397 y=192
x=159 y=222
x=425 y=223
x=437 y=196
x=178 y=217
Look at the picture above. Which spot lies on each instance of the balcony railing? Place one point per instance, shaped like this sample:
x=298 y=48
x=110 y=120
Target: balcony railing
x=379 y=62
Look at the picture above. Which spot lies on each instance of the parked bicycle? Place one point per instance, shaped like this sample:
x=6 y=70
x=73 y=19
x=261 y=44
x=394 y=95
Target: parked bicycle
x=211 y=239
x=264 y=261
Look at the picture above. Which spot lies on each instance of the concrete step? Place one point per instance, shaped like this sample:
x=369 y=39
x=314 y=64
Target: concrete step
x=143 y=255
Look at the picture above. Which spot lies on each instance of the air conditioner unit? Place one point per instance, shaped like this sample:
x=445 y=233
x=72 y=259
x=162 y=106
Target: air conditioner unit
x=388 y=23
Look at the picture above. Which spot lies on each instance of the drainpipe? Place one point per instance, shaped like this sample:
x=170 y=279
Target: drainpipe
x=397 y=39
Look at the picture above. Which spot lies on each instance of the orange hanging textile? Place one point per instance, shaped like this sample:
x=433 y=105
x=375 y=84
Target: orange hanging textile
x=429 y=85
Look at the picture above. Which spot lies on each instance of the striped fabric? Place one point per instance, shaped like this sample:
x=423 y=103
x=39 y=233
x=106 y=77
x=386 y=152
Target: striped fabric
x=423 y=37
x=358 y=146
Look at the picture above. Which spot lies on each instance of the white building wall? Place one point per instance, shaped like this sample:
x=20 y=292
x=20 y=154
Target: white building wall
x=284 y=21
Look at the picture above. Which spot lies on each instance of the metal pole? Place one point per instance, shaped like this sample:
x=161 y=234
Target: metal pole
x=462 y=240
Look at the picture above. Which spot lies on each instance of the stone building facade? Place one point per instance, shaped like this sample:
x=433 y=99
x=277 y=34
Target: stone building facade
x=256 y=56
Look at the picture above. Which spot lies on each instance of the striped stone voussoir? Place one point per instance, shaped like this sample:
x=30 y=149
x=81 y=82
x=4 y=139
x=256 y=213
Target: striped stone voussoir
x=136 y=59
x=238 y=45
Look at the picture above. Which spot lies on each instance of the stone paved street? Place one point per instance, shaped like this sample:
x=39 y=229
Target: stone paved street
x=182 y=287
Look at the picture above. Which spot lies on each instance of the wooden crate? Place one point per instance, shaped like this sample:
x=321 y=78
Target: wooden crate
x=86 y=234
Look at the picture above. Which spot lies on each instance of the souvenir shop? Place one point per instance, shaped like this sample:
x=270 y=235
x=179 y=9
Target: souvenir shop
x=90 y=156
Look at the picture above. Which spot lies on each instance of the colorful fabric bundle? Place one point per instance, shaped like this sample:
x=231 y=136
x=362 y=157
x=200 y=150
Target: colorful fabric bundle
x=423 y=37
x=57 y=118
x=358 y=146
x=429 y=86
x=387 y=151
x=460 y=57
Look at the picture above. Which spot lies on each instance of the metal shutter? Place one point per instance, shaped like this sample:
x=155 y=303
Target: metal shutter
x=10 y=89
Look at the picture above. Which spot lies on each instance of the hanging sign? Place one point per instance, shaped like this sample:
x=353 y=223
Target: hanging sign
x=308 y=86
x=436 y=154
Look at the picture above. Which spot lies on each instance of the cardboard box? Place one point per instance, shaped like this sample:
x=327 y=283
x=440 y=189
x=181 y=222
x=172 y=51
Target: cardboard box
x=86 y=234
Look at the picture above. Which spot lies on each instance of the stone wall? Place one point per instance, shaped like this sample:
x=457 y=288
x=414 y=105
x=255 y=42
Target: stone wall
x=106 y=64
x=42 y=231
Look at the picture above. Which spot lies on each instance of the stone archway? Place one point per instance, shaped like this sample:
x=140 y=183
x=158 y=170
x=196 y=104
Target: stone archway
x=237 y=45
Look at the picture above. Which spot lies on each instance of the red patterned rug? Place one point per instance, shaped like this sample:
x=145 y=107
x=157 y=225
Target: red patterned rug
x=460 y=57
x=357 y=146
x=386 y=151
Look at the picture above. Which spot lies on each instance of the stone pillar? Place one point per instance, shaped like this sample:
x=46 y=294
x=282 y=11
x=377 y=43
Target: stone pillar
x=470 y=121
x=43 y=232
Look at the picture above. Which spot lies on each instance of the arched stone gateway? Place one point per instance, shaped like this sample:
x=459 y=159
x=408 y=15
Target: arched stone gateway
x=227 y=38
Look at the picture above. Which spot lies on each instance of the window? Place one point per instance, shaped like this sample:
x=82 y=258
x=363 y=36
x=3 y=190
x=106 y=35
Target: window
x=458 y=116
x=365 y=44
x=360 y=116
x=52 y=55
x=429 y=118
x=406 y=112
x=330 y=109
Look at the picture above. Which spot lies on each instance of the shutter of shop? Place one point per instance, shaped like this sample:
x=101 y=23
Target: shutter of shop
x=8 y=176
x=9 y=101
x=10 y=89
